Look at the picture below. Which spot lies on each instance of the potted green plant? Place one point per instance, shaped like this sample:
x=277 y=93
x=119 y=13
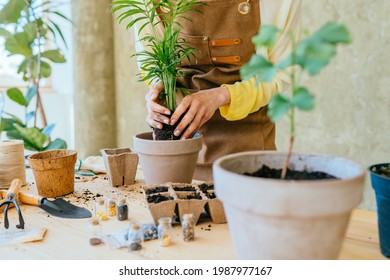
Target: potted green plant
x=164 y=52
x=380 y=181
x=273 y=213
x=27 y=28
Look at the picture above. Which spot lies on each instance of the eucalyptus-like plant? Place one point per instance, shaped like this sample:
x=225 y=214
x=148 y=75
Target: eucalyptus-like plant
x=310 y=55
x=28 y=26
x=164 y=52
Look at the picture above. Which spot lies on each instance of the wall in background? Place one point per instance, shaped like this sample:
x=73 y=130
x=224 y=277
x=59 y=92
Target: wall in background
x=353 y=106
x=353 y=103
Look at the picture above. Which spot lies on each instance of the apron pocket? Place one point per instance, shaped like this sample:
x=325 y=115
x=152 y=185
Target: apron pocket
x=201 y=52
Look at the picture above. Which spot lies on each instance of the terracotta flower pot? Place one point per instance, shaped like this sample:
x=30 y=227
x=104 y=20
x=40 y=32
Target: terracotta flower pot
x=287 y=219
x=381 y=186
x=167 y=161
x=54 y=172
x=121 y=166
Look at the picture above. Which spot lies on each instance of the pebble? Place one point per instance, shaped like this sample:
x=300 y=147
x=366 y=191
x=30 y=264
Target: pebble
x=135 y=246
x=95 y=241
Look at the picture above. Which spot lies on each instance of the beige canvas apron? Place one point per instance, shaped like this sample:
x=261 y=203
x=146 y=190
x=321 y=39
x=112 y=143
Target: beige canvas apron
x=222 y=38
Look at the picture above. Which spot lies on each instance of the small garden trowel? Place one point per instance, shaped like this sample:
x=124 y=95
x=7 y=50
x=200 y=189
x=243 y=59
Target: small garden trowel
x=58 y=207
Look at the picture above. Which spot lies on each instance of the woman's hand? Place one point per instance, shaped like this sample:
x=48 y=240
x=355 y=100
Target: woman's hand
x=157 y=113
x=198 y=108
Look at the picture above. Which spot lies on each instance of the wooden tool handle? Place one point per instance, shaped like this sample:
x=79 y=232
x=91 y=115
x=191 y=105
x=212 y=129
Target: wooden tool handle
x=28 y=198
x=3 y=194
x=13 y=190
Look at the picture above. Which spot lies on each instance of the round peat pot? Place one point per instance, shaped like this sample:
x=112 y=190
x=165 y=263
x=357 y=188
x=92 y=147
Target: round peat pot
x=54 y=172
x=167 y=161
x=287 y=219
x=381 y=186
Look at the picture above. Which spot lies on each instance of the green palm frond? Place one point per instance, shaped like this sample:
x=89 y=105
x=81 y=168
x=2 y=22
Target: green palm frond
x=164 y=53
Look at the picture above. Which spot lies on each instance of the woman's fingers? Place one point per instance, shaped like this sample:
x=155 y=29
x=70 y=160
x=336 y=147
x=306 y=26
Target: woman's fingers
x=157 y=113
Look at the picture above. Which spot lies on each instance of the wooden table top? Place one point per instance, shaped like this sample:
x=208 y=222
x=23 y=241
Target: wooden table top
x=69 y=238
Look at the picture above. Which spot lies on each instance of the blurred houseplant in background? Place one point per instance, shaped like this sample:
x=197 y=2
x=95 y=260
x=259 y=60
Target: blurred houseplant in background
x=29 y=30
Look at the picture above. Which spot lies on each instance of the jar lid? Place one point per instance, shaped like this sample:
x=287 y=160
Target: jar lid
x=189 y=217
x=135 y=227
x=165 y=220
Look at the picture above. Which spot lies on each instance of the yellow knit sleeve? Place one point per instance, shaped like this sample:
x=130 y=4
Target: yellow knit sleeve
x=247 y=97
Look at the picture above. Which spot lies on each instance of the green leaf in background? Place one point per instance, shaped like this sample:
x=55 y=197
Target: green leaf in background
x=11 y=11
x=5 y=33
x=278 y=107
x=23 y=66
x=32 y=136
x=14 y=134
x=48 y=129
x=54 y=56
x=31 y=91
x=45 y=69
x=56 y=144
x=18 y=44
x=333 y=33
x=303 y=99
x=16 y=95
x=260 y=67
x=29 y=116
x=266 y=37
x=316 y=51
x=15 y=119
x=30 y=31
x=1 y=104
x=313 y=56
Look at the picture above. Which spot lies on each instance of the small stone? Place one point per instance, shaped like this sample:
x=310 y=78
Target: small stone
x=95 y=241
x=135 y=246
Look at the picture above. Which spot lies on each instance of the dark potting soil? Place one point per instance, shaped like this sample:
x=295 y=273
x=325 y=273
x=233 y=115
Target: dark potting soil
x=186 y=188
x=383 y=171
x=210 y=195
x=194 y=196
x=205 y=187
x=158 y=198
x=166 y=133
x=267 y=172
x=158 y=189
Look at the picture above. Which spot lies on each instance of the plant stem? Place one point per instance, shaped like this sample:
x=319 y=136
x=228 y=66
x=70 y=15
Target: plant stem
x=37 y=79
x=292 y=111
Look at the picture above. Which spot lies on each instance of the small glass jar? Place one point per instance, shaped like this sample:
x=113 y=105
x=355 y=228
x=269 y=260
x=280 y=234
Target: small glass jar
x=164 y=231
x=111 y=207
x=101 y=209
x=95 y=231
x=188 y=227
x=122 y=209
x=135 y=237
x=95 y=227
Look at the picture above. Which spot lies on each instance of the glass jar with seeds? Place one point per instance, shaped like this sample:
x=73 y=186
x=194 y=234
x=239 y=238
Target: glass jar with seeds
x=101 y=208
x=135 y=237
x=122 y=209
x=188 y=227
x=164 y=231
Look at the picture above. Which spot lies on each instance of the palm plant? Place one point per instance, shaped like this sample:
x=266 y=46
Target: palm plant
x=311 y=55
x=164 y=52
x=27 y=27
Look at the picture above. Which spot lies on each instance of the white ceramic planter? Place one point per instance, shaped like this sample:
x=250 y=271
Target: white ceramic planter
x=286 y=219
x=167 y=161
